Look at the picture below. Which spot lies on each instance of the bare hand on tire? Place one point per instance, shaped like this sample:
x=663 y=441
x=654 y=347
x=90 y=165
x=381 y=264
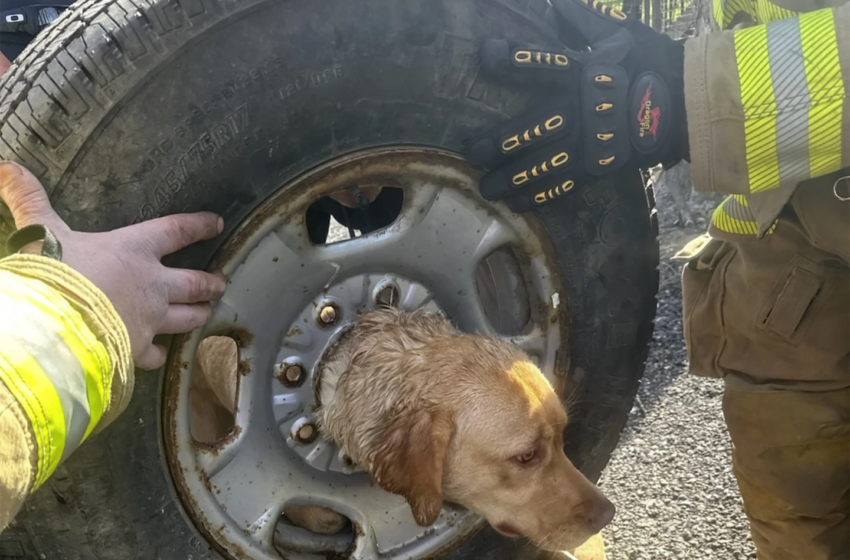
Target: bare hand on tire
x=125 y=264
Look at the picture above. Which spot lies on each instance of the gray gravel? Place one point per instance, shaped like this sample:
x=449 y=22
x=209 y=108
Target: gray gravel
x=671 y=475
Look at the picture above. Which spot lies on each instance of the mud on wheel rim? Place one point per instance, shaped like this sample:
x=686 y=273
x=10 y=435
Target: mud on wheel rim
x=489 y=270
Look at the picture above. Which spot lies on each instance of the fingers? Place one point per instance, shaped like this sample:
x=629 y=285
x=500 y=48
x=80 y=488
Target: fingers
x=519 y=64
x=171 y=233
x=5 y=64
x=26 y=198
x=549 y=167
x=530 y=130
x=194 y=286
x=182 y=318
x=532 y=198
x=357 y=199
x=152 y=358
x=593 y=20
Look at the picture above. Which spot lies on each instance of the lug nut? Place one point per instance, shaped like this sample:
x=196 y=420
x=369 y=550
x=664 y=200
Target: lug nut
x=290 y=375
x=293 y=373
x=328 y=315
x=388 y=296
x=306 y=433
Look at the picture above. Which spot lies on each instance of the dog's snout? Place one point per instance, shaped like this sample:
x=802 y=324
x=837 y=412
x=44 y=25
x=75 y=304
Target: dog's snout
x=600 y=512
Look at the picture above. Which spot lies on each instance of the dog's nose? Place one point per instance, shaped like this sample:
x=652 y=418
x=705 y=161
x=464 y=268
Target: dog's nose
x=600 y=513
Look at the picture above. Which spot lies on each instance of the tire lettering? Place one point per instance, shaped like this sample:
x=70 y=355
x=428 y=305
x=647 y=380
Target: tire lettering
x=161 y=196
x=314 y=79
x=173 y=182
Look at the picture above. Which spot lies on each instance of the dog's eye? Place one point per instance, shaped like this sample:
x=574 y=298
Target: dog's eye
x=526 y=457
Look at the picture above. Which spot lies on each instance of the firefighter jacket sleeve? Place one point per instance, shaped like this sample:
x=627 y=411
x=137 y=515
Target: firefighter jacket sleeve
x=767 y=105
x=66 y=371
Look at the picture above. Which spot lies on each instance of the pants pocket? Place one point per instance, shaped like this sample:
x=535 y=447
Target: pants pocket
x=702 y=296
x=800 y=294
x=797 y=329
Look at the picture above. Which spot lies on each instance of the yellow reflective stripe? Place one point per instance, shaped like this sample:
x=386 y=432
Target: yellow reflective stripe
x=768 y=11
x=98 y=391
x=761 y=11
x=84 y=345
x=718 y=14
x=735 y=217
x=759 y=105
x=826 y=90
x=32 y=388
x=726 y=10
x=730 y=219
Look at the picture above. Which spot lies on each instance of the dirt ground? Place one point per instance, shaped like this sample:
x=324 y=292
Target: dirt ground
x=671 y=475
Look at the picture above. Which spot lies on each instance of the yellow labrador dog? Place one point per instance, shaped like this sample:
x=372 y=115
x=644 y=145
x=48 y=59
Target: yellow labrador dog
x=434 y=414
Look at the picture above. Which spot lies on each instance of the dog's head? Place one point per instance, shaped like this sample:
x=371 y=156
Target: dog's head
x=493 y=443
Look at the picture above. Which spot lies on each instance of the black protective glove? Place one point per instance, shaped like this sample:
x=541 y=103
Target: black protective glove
x=618 y=105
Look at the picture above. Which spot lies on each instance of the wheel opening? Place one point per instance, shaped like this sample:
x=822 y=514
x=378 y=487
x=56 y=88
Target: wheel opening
x=329 y=221
x=313 y=530
x=212 y=394
x=503 y=292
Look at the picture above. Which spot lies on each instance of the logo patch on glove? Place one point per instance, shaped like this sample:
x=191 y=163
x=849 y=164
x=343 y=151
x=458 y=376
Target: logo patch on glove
x=648 y=116
x=649 y=104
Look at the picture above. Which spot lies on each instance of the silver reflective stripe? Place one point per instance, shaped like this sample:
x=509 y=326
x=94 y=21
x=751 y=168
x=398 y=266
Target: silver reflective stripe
x=734 y=207
x=791 y=91
x=38 y=337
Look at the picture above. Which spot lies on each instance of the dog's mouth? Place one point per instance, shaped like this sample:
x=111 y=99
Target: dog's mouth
x=507 y=530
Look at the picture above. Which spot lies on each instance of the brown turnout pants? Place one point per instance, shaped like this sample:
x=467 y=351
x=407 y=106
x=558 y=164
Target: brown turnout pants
x=772 y=317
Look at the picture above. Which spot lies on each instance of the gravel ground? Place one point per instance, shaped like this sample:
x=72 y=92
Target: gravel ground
x=671 y=475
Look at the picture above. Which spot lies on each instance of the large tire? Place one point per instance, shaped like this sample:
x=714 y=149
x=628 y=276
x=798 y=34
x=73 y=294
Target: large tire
x=131 y=109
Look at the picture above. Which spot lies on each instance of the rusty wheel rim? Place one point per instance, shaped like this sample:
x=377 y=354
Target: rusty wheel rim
x=431 y=256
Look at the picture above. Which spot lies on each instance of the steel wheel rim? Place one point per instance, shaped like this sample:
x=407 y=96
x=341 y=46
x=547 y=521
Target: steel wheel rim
x=235 y=491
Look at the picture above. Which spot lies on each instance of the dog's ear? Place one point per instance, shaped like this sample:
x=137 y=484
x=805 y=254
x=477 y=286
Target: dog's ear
x=409 y=461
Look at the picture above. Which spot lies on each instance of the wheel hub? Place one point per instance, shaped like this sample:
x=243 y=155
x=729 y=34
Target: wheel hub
x=310 y=337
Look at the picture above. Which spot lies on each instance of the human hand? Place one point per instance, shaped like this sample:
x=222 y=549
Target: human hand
x=125 y=264
x=5 y=64
x=617 y=105
x=356 y=197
